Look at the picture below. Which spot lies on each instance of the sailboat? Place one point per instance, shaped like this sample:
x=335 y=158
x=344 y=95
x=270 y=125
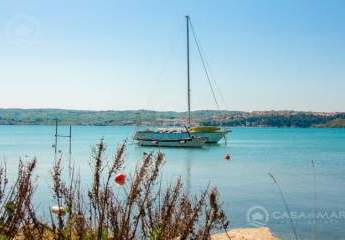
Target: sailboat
x=168 y=137
x=190 y=136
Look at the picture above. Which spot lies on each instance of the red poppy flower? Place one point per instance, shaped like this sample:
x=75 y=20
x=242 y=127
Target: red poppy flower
x=120 y=178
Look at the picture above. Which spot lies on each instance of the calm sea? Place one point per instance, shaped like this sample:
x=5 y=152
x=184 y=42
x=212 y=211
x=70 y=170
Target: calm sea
x=250 y=197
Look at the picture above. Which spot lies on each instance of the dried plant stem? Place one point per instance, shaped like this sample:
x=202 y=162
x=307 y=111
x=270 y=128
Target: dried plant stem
x=285 y=205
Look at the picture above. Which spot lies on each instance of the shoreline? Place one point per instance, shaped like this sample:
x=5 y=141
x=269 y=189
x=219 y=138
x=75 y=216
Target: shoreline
x=262 y=233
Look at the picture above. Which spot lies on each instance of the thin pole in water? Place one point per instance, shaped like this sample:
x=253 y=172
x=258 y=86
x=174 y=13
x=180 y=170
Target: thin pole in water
x=315 y=201
x=56 y=135
x=69 y=136
x=70 y=139
x=70 y=151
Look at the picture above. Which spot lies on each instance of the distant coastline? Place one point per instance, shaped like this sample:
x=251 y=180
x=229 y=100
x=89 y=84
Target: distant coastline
x=281 y=119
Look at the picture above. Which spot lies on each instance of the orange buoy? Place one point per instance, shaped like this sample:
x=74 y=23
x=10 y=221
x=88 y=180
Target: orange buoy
x=227 y=157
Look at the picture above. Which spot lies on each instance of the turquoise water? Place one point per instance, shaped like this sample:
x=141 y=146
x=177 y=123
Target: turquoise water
x=250 y=197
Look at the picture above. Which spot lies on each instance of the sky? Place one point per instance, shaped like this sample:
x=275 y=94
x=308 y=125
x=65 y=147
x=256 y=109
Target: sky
x=131 y=54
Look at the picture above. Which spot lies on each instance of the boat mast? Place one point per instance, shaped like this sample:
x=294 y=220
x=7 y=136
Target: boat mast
x=188 y=75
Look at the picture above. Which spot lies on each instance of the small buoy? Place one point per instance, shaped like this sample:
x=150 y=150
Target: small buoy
x=59 y=211
x=120 y=178
x=227 y=157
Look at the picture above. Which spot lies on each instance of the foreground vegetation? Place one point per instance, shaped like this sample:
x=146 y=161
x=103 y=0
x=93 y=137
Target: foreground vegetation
x=115 y=205
x=143 y=117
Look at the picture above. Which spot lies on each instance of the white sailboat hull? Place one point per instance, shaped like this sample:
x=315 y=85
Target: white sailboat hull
x=168 y=139
x=157 y=135
x=212 y=137
x=187 y=143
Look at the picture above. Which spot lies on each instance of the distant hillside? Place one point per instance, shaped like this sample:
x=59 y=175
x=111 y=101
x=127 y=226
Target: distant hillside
x=336 y=123
x=145 y=117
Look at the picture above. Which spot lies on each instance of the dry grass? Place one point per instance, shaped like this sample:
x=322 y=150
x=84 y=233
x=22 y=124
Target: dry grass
x=140 y=209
